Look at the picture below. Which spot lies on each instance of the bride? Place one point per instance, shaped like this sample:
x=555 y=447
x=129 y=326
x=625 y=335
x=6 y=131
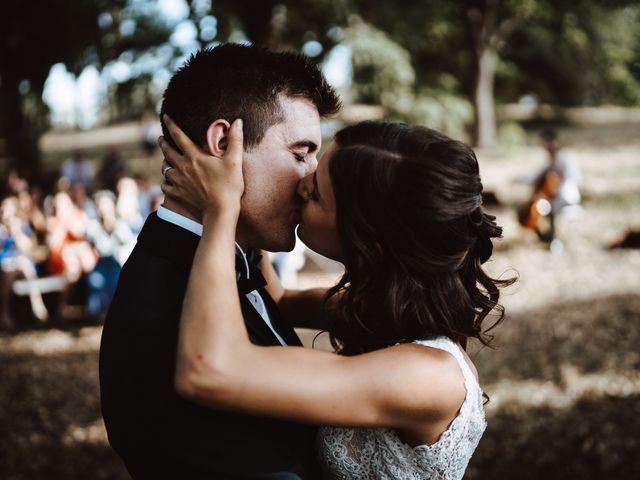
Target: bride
x=400 y=207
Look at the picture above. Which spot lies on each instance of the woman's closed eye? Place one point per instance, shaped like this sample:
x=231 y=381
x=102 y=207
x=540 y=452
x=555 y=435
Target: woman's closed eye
x=313 y=191
x=313 y=195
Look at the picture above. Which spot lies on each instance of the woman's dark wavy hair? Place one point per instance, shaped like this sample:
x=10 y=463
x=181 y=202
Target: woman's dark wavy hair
x=414 y=238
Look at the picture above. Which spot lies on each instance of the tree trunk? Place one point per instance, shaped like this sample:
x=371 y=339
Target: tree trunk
x=20 y=137
x=483 y=100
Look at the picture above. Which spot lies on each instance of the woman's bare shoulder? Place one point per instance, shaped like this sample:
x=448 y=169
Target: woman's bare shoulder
x=429 y=376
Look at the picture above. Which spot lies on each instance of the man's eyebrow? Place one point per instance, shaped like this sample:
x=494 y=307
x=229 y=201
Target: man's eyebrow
x=316 y=190
x=311 y=146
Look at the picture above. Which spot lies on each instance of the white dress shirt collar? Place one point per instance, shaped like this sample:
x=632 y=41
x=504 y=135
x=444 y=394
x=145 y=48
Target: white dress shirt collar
x=179 y=220
x=194 y=227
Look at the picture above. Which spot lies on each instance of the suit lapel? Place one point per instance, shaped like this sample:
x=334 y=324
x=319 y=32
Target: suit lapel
x=284 y=328
x=174 y=243
x=259 y=332
x=171 y=242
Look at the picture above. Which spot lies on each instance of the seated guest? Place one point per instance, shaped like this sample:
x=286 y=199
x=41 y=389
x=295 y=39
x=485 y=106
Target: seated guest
x=128 y=204
x=78 y=169
x=70 y=254
x=16 y=243
x=111 y=237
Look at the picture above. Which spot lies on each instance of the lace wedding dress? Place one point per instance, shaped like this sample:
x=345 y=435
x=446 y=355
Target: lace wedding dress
x=378 y=453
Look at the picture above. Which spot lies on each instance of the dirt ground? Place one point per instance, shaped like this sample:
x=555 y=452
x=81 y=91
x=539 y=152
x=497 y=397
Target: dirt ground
x=563 y=379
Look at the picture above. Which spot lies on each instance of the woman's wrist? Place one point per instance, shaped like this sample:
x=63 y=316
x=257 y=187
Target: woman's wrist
x=225 y=216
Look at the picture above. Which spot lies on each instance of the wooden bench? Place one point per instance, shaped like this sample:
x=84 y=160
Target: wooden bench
x=43 y=285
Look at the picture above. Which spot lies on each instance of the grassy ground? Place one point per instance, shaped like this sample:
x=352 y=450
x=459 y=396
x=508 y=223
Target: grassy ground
x=564 y=379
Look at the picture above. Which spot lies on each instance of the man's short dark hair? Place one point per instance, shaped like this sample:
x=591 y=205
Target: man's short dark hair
x=233 y=81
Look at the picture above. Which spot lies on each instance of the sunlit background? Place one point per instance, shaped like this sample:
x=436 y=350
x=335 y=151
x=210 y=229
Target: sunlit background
x=84 y=79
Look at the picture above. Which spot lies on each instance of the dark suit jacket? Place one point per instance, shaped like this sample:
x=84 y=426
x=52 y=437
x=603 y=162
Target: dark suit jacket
x=157 y=433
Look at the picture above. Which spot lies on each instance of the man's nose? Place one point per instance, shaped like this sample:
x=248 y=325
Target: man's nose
x=312 y=165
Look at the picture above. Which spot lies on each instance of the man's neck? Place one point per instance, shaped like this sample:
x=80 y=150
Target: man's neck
x=181 y=210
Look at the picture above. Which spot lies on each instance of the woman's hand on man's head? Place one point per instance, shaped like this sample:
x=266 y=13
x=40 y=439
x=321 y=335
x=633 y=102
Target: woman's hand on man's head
x=203 y=182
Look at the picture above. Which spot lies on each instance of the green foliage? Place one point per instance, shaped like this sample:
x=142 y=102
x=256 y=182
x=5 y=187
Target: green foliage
x=566 y=52
x=382 y=70
x=417 y=59
x=432 y=34
x=148 y=29
x=442 y=111
x=132 y=97
x=584 y=54
x=511 y=134
x=619 y=38
x=383 y=74
x=33 y=37
x=280 y=24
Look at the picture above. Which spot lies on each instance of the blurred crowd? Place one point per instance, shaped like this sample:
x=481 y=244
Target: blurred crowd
x=71 y=241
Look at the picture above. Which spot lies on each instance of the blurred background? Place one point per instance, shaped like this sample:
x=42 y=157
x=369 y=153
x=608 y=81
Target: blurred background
x=548 y=93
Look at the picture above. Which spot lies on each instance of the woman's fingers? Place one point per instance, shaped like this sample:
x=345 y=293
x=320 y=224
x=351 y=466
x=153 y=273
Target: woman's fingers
x=166 y=166
x=169 y=178
x=171 y=155
x=232 y=159
x=198 y=179
x=236 y=142
x=183 y=142
x=169 y=189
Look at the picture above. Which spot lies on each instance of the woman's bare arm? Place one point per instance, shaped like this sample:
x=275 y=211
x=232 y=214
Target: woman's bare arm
x=218 y=366
x=305 y=308
x=274 y=285
x=301 y=308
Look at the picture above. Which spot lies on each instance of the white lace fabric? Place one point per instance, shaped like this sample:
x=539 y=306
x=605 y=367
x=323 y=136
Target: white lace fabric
x=378 y=453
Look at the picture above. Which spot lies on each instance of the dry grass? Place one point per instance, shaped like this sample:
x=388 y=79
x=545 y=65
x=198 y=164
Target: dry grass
x=564 y=381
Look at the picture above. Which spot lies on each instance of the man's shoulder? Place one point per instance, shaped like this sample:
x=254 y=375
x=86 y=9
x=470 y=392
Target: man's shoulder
x=165 y=241
x=147 y=277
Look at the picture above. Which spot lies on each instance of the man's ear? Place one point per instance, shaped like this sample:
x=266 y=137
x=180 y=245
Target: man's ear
x=216 y=137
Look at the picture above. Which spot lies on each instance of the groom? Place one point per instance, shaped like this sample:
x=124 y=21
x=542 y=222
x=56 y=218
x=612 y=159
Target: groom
x=158 y=434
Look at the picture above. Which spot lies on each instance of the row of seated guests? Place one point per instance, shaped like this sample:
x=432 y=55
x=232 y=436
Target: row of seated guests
x=81 y=240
